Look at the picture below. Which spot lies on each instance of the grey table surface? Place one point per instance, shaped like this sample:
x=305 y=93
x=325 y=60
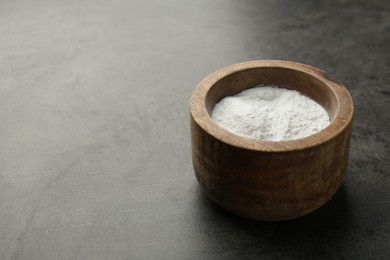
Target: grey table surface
x=95 y=155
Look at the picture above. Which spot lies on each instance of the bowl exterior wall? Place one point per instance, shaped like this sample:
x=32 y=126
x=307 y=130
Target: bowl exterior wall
x=269 y=186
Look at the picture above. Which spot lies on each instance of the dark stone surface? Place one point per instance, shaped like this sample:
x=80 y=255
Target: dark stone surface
x=94 y=140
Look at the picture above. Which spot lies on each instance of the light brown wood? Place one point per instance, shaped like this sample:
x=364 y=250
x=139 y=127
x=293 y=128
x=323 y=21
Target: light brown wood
x=267 y=180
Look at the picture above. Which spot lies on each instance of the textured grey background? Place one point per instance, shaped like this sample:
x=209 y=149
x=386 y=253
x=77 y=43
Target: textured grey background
x=94 y=127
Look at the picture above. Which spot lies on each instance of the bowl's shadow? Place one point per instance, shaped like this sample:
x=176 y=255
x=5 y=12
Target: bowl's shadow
x=318 y=234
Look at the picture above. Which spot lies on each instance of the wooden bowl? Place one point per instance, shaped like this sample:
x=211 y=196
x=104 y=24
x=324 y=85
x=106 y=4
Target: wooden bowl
x=270 y=180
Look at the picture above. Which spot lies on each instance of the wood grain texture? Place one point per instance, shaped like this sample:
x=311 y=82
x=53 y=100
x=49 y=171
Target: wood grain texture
x=268 y=180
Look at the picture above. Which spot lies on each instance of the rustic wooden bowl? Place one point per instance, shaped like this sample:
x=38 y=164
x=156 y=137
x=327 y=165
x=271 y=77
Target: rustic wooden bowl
x=270 y=180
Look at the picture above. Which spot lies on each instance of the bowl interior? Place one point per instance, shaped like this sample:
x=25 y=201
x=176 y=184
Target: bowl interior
x=287 y=78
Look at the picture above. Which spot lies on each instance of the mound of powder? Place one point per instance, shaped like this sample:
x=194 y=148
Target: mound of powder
x=270 y=113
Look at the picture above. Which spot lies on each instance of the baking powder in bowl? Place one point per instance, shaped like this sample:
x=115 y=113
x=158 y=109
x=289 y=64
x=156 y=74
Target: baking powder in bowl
x=270 y=113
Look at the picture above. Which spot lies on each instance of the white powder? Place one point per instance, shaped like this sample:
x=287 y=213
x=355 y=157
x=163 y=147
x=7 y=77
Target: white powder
x=270 y=113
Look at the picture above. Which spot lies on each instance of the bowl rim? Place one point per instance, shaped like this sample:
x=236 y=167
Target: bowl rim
x=342 y=119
